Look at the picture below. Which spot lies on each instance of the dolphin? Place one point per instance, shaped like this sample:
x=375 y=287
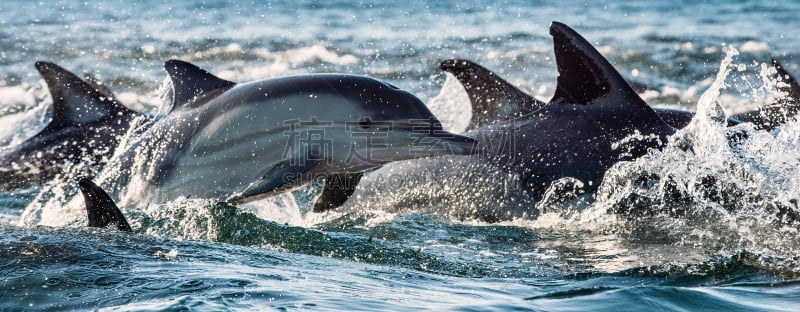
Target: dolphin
x=86 y=127
x=101 y=210
x=240 y=142
x=594 y=120
x=494 y=99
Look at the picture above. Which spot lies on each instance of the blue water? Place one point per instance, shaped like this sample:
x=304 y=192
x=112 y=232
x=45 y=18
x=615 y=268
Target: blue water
x=708 y=239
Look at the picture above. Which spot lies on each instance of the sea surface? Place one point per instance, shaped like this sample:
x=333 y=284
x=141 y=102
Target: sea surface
x=681 y=229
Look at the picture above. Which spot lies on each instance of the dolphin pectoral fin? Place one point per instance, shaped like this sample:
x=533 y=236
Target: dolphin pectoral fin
x=336 y=190
x=282 y=177
x=493 y=99
x=585 y=77
x=76 y=102
x=189 y=81
x=101 y=210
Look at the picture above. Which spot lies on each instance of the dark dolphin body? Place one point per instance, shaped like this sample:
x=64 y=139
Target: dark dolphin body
x=594 y=120
x=86 y=128
x=494 y=99
x=242 y=142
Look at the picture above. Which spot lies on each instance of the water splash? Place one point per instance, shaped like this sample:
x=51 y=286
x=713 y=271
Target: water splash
x=726 y=189
x=24 y=111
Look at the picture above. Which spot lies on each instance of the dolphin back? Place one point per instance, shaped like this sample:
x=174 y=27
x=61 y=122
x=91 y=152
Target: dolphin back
x=587 y=78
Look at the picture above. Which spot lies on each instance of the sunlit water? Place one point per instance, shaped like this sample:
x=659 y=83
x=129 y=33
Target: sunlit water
x=698 y=225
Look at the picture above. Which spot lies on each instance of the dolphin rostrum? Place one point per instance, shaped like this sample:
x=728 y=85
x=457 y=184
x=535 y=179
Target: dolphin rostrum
x=86 y=127
x=242 y=142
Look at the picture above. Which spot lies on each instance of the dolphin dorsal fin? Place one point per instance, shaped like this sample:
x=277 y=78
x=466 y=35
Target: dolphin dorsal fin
x=791 y=87
x=493 y=98
x=584 y=75
x=76 y=102
x=189 y=81
x=101 y=210
x=99 y=86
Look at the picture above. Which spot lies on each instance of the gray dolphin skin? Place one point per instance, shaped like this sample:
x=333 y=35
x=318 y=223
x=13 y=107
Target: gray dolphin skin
x=101 y=210
x=242 y=142
x=494 y=99
x=86 y=128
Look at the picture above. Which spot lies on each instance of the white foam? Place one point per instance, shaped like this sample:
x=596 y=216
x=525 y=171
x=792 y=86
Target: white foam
x=754 y=47
x=22 y=114
x=307 y=55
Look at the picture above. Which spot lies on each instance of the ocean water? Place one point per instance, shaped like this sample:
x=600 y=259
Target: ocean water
x=679 y=229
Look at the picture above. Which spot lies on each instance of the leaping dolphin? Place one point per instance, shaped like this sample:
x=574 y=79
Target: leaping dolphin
x=86 y=127
x=241 y=142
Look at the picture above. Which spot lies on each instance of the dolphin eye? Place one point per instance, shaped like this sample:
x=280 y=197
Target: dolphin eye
x=365 y=123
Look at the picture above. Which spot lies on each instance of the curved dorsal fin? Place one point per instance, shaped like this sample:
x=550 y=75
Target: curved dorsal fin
x=76 y=102
x=101 y=210
x=775 y=114
x=493 y=99
x=189 y=81
x=584 y=75
x=791 y=87
x=99 y=86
